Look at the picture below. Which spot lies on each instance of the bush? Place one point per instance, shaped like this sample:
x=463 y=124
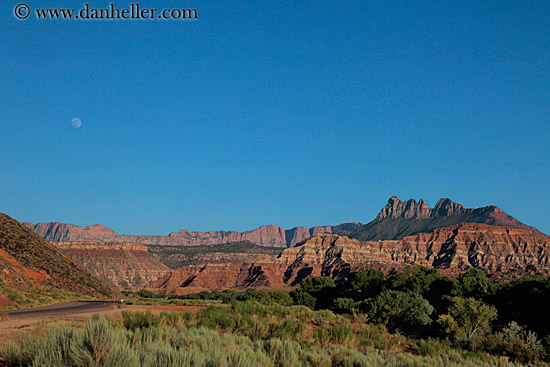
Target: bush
x=340 y=334
x=139 y=320
x=400 y=310
x=344 y=305
x=473 y=317
x=302 y=343
x=302 y=298
x=495 y=344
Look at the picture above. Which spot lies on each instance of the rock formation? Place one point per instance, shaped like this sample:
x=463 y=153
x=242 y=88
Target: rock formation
x=399 y=219
x=504 y=253
x=125 y=265
x=270 y=235
x=447 y=237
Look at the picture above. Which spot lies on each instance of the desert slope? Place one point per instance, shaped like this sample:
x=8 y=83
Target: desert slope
x=27 y=260
x=125 y=265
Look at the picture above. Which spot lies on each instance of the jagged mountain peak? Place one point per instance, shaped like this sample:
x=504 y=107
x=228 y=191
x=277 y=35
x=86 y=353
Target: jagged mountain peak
x=397 y=208
x=400 y=218
x=446 y=207
x=412 y=209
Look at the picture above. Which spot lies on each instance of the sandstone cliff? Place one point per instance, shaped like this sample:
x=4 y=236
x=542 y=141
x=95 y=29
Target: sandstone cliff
x=504 y=253
x=270 y=235
x=125 y=265
x=135 y=265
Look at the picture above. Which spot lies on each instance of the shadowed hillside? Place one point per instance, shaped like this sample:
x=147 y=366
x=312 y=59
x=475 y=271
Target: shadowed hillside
x=27 y=260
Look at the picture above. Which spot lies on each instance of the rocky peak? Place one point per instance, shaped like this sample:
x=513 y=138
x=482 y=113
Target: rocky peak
x=411 y=209
x=397 y=208
x=446 y=207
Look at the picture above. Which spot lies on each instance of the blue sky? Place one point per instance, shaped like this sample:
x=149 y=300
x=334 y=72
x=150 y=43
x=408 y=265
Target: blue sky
x=291 y=113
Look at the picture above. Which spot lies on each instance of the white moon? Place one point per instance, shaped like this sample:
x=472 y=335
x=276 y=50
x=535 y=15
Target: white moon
x=76 y=122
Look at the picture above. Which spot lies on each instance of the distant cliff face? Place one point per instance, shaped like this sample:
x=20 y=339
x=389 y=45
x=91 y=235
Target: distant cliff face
x=125 y=265
x=136 y=266
x=265 y=235
x=447 y=237
x=504 y=253
x=411 y=209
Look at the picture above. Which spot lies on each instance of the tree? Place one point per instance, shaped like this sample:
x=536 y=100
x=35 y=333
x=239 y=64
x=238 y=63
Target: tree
x=363 y=284
x=474 y=283
x=314 y=292
x=316 y=284
x=524 y=301
x=400 y=310
x=281 y=297
x=472 y=317
x=416 y=279
x=345 y=305
x=301 y=297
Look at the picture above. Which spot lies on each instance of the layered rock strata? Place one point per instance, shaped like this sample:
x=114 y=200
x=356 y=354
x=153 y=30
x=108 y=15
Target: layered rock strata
x=270 y=235
x=504 y=253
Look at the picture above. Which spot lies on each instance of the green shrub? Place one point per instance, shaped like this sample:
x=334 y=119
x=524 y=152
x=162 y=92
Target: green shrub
x=171 y=318
x=135 y=320
x=284 y=352
x=400 y=310
x=473 y=317
x=340 y=334
x=145 y=339
x=344 y=305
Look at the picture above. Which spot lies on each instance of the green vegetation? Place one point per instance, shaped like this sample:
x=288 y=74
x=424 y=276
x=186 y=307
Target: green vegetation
x=241 y=334
x=470 y=313
x=414 y=318
x=38 y=296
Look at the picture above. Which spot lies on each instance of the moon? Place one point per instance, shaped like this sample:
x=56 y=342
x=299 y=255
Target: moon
x=76 y=122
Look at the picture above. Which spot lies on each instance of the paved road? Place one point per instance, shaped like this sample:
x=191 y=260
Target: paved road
x=65 y=308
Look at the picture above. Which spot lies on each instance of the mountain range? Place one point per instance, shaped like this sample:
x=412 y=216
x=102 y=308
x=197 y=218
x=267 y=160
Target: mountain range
x=504 y=253
x=404 y=218
x=447 y=237
x=396 y=220
x=270 y=235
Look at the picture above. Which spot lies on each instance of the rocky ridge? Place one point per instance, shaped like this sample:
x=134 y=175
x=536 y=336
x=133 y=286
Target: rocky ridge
x=504 y=253
x=399 y=219
x=270 y=235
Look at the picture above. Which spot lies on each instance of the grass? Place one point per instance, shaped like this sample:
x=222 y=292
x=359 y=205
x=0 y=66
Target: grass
x=39 y=296
x=104 y=343
x=236 y=334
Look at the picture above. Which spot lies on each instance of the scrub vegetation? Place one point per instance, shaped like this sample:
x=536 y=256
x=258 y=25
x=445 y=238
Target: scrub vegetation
x=415 y=318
